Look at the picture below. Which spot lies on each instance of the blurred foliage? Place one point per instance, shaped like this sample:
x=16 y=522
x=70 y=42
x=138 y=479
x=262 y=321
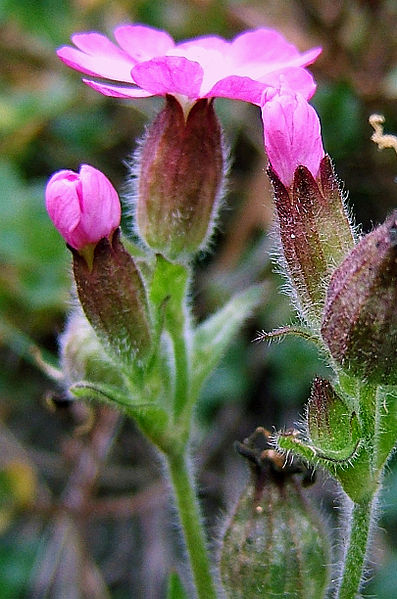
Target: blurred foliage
x=48 y=121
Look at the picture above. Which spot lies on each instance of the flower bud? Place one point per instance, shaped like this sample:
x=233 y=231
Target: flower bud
x=82 y=356
x=113 y=297
x=275 y=544
x=292 y=134
x=83 y=206
x=180 y=178
x=313 y=225
x=360 y=316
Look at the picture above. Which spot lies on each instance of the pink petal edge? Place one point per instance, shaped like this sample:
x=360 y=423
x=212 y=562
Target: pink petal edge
x=116 y=91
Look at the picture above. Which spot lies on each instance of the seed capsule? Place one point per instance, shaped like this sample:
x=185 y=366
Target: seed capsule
x=275 y=544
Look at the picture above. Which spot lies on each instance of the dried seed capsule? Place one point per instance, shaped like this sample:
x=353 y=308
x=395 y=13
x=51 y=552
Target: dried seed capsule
x=274 y=545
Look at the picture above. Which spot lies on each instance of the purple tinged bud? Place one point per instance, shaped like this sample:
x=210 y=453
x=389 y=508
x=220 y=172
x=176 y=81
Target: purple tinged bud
x=314 y=228
x=360 y=316
x=113 y=297
x=315 y=234
x=180 y=179
x=83 y=206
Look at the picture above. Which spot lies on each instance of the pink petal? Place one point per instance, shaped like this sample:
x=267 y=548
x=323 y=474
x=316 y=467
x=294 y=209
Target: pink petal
x=62 y=202
x=296 y=79
x=101 y=210
x=209 y=53
x=261 y=45
x=258 y=70
x=97 y=44
x=306 y=58
x=208 y=42
x=203 y=67
x=250 y=90
x=97 y=65
x=83 y=206
x=169 y=75
x=238 y=88
x=292 y=134
x=143 y=43
x=117 y=91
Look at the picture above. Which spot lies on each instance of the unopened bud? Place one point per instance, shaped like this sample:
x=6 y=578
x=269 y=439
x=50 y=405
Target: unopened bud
x=275 y=544
x=113 y=297
x=180 y=179
x=83 y=206
x=313 y=225
x=360 y=316
x=292 y=133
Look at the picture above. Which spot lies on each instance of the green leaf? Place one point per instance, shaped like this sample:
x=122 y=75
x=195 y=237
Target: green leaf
x=152 y=419
x=330 y=458
x=109 y=394
x=212 y=337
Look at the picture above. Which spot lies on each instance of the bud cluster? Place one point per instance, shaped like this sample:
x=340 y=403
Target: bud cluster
x=179 y=181
x=345 y=292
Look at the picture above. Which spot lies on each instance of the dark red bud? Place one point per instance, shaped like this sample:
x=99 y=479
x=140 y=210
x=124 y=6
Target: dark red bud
x=360 y=316
x=180 y=178
x=113 y=297
x=315 y=234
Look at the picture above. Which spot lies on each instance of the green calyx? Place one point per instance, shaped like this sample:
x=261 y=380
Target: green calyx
x=275 y=544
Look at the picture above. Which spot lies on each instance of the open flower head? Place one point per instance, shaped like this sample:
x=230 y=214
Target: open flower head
x=292 y=133
x=83 y=206
x=148 y=62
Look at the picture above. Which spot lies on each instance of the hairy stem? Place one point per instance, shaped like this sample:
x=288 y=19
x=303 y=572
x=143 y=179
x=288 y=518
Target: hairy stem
x=190 y=519
x=182 y=366
x=354 y=557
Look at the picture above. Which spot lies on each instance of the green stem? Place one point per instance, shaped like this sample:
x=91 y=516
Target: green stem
x=356 y=550
x=189 y=514
x=182 y=366
x=168 y=296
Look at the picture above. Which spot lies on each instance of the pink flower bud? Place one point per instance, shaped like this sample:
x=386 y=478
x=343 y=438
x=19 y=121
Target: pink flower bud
x=292 y=134
x=83 y=206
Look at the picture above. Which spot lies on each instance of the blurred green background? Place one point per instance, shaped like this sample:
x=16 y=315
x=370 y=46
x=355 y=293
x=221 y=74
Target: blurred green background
x=116 y=541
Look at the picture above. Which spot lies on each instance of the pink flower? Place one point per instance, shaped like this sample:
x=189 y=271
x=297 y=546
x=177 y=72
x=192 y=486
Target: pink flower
x=83 y=206
x=150 y=63
x=292 y=133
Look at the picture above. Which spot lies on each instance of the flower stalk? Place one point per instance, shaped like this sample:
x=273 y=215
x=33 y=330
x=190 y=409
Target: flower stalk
x=191 y=522
x=357 y=545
